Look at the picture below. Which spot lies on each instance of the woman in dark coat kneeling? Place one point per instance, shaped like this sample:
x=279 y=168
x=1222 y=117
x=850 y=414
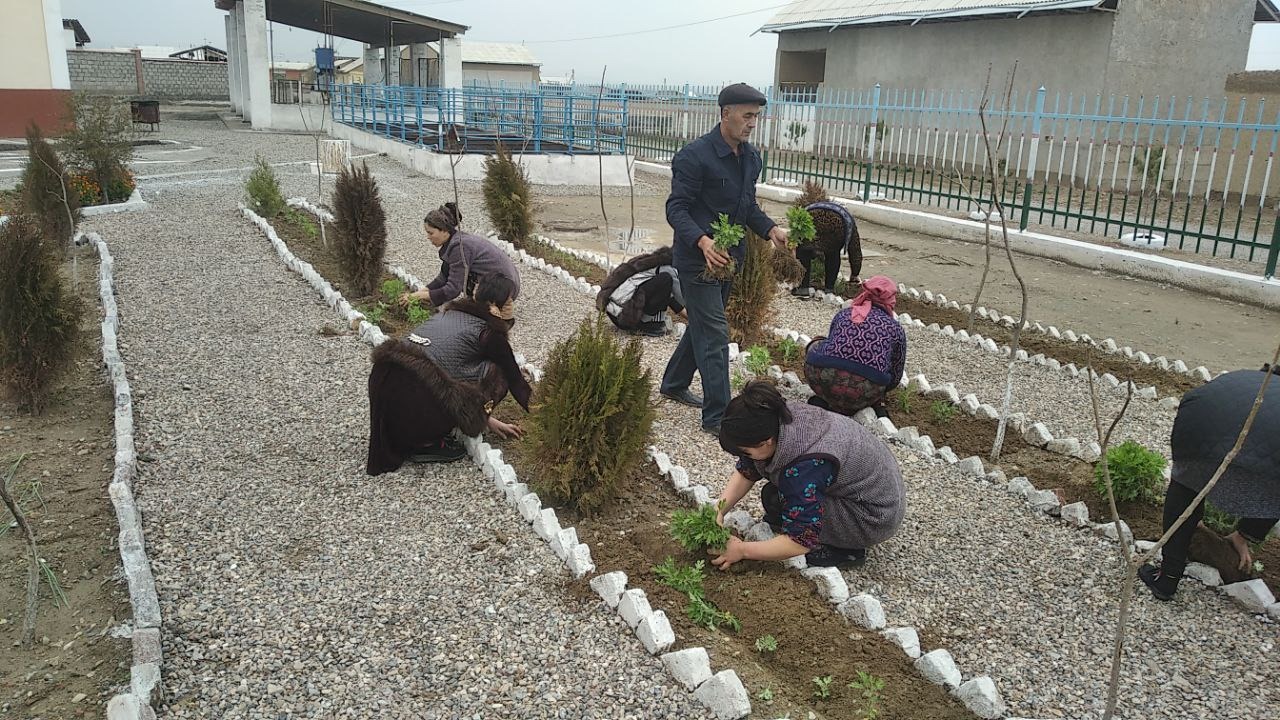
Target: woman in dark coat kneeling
x=450 y=372
x=833 y=488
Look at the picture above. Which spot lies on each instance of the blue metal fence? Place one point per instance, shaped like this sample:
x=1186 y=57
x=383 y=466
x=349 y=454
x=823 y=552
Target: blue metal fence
x=551 y=120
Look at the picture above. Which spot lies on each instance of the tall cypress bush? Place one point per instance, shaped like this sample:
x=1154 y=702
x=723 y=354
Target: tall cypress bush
x=751 y=299
x=507 y=197
x=361 y=225
x=47 y=194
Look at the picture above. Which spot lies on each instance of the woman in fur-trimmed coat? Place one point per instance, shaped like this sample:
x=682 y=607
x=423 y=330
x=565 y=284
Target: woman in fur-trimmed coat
x=450 y=372
x=638 y=293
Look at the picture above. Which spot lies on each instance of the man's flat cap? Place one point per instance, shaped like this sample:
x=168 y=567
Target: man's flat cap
x=741 y=94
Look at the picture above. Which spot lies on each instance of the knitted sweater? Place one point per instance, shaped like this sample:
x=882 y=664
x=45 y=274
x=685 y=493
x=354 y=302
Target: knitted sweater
x=876 y=348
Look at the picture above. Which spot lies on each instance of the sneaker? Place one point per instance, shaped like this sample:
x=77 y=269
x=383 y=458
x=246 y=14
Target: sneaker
x=684 y=397
x=802 y=292
x=444 y=451
x=713 y=430
x=652 y=332
x=828 y=556
x=1162 y=586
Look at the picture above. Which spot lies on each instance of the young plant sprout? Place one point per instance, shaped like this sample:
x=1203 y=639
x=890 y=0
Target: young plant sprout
x=726 y=235
x=800 y=224
x=822 y=687
x=697 y=530
x=767 y=643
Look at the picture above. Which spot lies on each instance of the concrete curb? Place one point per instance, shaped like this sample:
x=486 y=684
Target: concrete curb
x=145 y=669
x=135 y=203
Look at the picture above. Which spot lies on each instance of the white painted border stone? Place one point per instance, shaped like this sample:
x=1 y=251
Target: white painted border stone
x=135 y=203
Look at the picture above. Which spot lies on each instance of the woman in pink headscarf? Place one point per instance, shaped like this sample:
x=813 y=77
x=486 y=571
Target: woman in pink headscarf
x=863 y=355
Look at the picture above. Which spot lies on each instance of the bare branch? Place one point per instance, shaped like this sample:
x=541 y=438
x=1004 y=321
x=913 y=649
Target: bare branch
x=33 y=569
x=600 y=158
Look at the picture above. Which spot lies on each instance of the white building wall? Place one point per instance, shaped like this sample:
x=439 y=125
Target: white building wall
x=24 y=55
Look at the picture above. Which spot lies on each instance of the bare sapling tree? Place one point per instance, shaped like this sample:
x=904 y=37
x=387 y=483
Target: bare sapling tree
x=997 y=204
x=1132 y=562
x=33 y=568
x=967 y=191
x=600 y=163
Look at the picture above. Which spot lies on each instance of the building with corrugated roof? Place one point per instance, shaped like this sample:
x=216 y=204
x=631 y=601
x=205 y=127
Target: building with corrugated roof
x=1085 y=47
x=483 y=63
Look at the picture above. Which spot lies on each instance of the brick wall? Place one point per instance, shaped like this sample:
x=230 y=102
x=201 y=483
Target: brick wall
x=115 y=73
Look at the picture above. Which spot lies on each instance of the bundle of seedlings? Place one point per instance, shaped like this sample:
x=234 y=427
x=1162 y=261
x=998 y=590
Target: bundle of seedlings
x=726 y=235
x=751 y=299
x=361 y=225
x=786 y=268
x=39 y=315
x=590 y=418
x=507 y=198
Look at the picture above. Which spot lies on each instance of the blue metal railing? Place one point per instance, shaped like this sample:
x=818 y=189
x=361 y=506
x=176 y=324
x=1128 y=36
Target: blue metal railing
x=475 y=118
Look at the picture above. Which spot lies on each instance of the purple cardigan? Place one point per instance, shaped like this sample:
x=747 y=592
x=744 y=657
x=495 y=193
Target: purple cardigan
x=876 y=348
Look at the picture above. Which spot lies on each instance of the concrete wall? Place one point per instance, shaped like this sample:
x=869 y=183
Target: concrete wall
x=109 y=72
x=1185 y=48
x=488 y=74
x=24 y=57
x=1067 y=52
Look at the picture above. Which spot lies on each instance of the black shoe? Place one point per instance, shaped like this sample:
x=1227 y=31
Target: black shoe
x=1162 y=586
x=827 y=556
x=881 y=411
x=650 y=332
x=802 y=292
x=684 y=397
x=713 y=430
x=445 y=451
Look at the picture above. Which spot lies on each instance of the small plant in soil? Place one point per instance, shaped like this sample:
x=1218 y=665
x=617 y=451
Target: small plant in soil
x=800 y=224
x=758 y=360
x=765 y=695
x=738 y=381
x=303 y=222
x=767 y=643
x=789 y=348
x=702 y=612
x=1136 y=473
x=1218 y=520
x=361 y=229
x=590 y=419
x=822 y=687
x=697 y=530
x=262 y=190
x=942 y=411
x=870 y=686
x=686 y=579
x=904 y=399
x=416 y=313
x=726 y=235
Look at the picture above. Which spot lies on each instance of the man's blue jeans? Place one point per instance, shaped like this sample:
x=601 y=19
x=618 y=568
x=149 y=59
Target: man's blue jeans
x=704 y=347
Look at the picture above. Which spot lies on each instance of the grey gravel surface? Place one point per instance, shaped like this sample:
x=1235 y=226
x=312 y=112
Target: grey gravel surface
x=292 y=585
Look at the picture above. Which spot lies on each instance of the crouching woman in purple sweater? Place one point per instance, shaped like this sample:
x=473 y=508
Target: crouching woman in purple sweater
x=863 y=356
x=833 y=488
x=464 y=257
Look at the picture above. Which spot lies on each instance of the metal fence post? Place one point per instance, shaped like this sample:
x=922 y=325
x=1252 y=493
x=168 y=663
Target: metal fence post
x=871 y=145
x=684 y=113
x=1274 y=253
x=537 y=123
x=1031 y=159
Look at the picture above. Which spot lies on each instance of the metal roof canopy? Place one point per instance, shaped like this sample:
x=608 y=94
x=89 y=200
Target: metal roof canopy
x=358 y=20
x=829 y=15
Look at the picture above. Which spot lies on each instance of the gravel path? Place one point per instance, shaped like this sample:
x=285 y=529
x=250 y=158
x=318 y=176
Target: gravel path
x=291 y=584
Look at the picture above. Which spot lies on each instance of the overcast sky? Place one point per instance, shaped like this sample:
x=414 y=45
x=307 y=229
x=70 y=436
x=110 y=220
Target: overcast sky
x=720 y=51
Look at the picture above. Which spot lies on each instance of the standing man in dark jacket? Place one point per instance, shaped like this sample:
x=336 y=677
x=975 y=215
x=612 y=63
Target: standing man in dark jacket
x=714 y=174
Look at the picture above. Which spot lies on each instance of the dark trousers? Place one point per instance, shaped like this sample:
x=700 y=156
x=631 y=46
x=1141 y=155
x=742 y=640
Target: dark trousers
x=657 y=293
x=806 y=253
x=704 y=347
x=1174 y=553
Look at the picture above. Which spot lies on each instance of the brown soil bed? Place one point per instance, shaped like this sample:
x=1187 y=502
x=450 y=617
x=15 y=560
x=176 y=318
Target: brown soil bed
x=70 y=453
x=301 y=234
x=1165 y=381
x=1071 y=479
x=593 y=273
x=813 y=640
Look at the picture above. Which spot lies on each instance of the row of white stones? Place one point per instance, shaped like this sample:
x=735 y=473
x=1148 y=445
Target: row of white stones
x=726 y=697
x=723 y=693
x=144 y=671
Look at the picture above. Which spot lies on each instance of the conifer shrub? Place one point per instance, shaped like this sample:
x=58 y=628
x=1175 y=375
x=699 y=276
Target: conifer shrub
x=39 y=316
x=751 y=300
x=47 y=193
x=100 y=141
x=507 y=198
x=361 y=229
x=262 y=190
x=590 y=418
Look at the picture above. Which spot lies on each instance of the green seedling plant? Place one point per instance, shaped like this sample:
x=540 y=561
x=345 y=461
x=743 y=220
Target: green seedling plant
x=738 y=381
x=1136 y=473
x=393 y=288
x=1219 y=520
x=417 y=313
x=800 y=224
x=767 y=643
x=757 y=359
x=903 y=399
x=870 y=686
x=687 y=579
x=702 y=612
x=375 y=313
x=822 y=687
x=726 y=235
x=789 y=348
x=765 y=695
x=942 y=411
x=697 y=530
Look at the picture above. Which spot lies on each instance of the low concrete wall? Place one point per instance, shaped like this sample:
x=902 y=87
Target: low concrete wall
x=1251 y=289
x=542 y=169
x=300 y=118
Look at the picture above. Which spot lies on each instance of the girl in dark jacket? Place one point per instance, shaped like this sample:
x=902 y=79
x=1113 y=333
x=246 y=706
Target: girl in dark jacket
x=450 y=372
x=833 y=488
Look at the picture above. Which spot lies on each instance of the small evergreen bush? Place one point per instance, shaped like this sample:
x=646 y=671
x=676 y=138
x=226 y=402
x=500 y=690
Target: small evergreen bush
x=590 y=419
x=1136 y=473
x=39 y=316
x=507 y=197
x=751 y=300
x=99 y=140
x=361 y=229
x=262 y=190
x=47 y=194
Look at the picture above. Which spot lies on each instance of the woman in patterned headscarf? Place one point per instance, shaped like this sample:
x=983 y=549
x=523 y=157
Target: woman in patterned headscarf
x=863 y=356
